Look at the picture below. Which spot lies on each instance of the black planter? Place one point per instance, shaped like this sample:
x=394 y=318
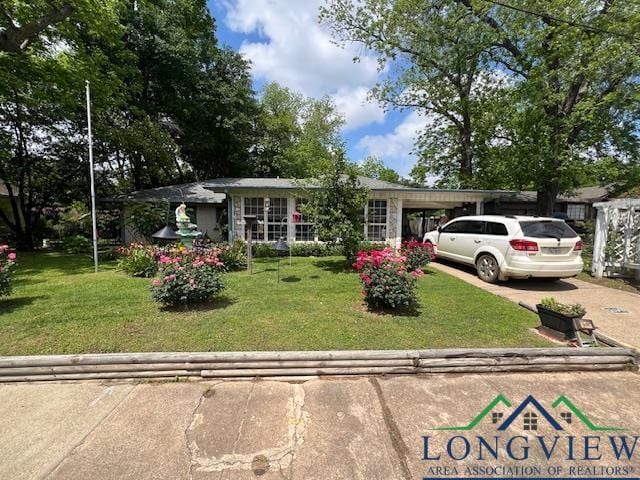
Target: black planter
x=557 y=321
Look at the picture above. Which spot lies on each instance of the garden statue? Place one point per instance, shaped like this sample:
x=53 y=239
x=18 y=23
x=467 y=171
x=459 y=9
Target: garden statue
x=186 y=229
x=181 y=213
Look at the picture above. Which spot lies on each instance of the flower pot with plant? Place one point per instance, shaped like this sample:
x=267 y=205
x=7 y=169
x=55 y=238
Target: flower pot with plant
x=560 y=316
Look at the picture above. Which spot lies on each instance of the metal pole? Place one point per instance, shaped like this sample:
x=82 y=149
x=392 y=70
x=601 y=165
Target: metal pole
x=93 y=187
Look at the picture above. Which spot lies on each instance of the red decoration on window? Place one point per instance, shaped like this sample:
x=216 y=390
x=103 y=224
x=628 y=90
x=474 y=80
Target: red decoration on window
x=297 y=217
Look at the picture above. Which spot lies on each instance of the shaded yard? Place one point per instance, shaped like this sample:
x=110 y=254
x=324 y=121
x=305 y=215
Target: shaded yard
x=60 y=306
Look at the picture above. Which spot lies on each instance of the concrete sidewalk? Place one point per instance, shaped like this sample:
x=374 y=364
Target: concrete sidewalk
x=360 y=428
x=623 y=327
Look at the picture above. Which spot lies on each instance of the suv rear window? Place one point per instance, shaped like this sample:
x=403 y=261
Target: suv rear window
x=547 y=229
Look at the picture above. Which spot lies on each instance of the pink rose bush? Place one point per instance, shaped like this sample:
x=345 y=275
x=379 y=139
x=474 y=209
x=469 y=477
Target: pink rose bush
x=418 y=254
x=186 y=278
x=7 y=263
x=387 y=280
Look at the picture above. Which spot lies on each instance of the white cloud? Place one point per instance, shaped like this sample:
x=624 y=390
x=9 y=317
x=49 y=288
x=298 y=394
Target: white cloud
x=395 y=148
x=357 y=108
x=295 y=51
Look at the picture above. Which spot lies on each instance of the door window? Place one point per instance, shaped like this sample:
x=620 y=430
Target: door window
x=455 y=227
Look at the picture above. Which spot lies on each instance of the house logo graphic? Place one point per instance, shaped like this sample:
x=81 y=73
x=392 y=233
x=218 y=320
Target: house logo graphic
x=531 y=412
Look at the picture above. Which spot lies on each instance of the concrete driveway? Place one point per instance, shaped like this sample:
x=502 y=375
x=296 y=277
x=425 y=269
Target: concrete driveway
x=359 y=428
x=598 y=300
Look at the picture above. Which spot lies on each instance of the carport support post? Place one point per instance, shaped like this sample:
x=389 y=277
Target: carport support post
x=479 y=207
x=600 y=240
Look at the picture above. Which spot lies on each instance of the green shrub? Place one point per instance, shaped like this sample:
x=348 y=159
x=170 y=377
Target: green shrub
x=186 y=283
x=568 y=309
x=298 y=249
x=233 y=256
x=76 y=244
x=367 y=246
x=138 y=260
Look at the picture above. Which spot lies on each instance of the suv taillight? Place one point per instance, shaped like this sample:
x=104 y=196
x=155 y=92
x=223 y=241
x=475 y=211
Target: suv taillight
x=523 y=245
x=578 y=246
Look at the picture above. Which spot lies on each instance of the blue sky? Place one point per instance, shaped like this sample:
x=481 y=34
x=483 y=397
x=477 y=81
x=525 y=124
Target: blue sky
x=285 y=44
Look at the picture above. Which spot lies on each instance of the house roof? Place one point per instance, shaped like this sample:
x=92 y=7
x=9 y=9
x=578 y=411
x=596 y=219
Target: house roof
x=227 y=184
x=289 y=183
x=581 y=195
x=187 y=192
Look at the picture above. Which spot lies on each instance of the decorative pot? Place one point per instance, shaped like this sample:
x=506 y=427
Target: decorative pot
x=558 y=321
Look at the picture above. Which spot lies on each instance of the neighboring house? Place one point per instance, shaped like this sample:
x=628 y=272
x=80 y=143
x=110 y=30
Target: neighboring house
x=5 y=206
x=577 y=207
x=206 y=208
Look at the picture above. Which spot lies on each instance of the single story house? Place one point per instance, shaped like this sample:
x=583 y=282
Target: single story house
x=275 y=202
x=394 y=212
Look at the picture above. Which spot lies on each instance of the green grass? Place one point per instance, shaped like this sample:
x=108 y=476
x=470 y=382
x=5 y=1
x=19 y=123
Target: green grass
x=60 y=306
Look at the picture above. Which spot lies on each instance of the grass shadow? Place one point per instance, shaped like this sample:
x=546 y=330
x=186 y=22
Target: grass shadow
x=412 y=311
x=334 y=266
x=290 y=279
x=217 y=303
x=38 y=263
x=9 y=305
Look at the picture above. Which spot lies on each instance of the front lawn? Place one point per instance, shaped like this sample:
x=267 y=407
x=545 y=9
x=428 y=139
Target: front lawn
x=60 y=306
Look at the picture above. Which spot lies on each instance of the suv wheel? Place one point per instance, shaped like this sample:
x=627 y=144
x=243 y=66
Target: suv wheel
x=487 y=268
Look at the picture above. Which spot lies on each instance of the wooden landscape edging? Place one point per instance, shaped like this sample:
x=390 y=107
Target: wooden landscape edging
x=310 y=364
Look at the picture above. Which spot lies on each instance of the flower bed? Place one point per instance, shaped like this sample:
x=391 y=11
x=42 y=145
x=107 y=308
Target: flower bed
x=386 y=278
x=7 y=262
x=143 y=260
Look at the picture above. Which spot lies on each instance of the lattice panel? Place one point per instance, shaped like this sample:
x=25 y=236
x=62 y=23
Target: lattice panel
x=622 y=249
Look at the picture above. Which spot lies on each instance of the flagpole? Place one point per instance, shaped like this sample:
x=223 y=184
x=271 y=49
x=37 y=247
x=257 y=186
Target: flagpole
x=93 y=187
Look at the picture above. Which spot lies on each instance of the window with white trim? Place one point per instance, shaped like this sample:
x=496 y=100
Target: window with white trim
x=377 y=220
x=255 y=206
x=304 y=229
x=277 y=219
x=576 y=211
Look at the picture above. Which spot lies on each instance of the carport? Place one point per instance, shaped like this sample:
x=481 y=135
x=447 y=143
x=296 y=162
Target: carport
x=422 y=209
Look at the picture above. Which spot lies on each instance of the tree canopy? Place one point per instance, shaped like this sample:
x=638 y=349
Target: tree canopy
x=525 y=94
x=169 y=105
x=298 y=135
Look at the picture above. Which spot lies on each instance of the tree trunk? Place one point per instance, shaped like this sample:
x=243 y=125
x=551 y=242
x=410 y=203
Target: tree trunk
x=547 y=196
x=466 y=152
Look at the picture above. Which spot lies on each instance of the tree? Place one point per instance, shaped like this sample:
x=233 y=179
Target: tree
x=336 y=208
x=299 y=135
x=519 y=96
x=436 y=59
x=41 y=93
x=168 y=104
x=373 y=167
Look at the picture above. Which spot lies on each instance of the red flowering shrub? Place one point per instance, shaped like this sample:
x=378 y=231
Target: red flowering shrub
x=418 y=254
x=386 y=279
x=7 y=262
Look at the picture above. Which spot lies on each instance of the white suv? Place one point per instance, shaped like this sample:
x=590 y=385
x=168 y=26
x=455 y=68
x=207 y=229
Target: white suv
x=502 y=247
